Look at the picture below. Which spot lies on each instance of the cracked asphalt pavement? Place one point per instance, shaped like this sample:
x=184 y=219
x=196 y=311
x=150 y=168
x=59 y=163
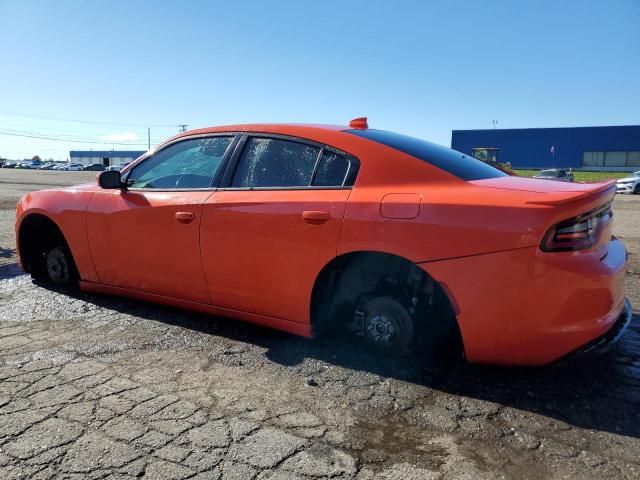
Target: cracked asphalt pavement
x=104 y=387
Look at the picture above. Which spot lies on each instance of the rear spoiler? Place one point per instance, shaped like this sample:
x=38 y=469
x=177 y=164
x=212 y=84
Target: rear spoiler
x=562 y=198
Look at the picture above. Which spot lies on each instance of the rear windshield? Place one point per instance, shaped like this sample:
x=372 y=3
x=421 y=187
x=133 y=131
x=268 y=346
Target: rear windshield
x=451 y=161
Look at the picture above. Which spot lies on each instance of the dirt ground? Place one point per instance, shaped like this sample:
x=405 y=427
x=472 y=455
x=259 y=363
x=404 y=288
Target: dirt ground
x=97 y=386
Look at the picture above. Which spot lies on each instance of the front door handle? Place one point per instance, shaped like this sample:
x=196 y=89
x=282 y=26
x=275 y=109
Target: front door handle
x=185 y=217
x=315 y=216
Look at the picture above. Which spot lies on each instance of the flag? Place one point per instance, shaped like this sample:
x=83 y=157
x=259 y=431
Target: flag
x=553 y=149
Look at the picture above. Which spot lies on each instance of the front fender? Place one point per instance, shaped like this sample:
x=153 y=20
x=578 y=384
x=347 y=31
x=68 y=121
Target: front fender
x=67 y=208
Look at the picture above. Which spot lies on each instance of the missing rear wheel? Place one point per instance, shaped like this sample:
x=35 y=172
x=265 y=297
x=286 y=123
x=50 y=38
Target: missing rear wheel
x=388 y=326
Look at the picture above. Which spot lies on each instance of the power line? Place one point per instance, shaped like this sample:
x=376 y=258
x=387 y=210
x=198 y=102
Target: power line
x=66 y=138
x=93 y=122
x=69 y=140
x=71 y=137
x=55 y=135
x=62 y=133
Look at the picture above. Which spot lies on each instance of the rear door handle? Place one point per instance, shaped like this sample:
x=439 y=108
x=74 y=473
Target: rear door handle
x=185 y=217
x=315 y=216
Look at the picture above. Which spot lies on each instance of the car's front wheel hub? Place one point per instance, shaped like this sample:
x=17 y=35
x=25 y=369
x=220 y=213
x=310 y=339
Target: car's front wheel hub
x=58 y=266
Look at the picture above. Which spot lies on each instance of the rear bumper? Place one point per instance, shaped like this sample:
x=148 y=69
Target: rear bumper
x=604 y=342
x=528 y=307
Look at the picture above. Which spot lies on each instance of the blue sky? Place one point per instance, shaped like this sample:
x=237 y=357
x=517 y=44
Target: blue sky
x=416 y=67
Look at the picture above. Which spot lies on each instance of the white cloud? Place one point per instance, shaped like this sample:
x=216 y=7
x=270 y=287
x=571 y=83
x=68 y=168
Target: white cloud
x=121 y=137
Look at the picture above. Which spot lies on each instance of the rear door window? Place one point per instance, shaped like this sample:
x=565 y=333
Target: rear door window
x=271 y=162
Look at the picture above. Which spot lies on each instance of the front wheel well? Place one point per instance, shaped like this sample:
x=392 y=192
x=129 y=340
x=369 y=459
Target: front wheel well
x=350 y=280
x=37 y=235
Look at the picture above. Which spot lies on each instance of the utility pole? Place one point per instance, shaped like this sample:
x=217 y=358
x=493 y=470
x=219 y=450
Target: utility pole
x=183 y=127
x=148 y=138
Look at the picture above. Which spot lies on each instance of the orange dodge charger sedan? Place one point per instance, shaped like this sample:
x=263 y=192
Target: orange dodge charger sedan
x=305 y=228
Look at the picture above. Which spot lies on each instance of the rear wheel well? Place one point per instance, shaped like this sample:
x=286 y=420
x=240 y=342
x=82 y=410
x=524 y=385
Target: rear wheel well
x=350 y=280
x=37 y=235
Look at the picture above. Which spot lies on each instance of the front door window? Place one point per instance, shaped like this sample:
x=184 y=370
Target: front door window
x=189 y=164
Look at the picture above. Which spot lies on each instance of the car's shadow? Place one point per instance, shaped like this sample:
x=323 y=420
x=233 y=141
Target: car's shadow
x=9 y=270
x=600 y=392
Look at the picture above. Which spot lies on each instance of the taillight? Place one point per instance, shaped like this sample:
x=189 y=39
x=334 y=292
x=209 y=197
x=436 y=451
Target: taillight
x=577 y=233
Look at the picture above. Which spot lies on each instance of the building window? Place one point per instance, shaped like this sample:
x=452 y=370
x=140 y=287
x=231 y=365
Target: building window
x=633 y=159
x=593 y=159
x=614 y=158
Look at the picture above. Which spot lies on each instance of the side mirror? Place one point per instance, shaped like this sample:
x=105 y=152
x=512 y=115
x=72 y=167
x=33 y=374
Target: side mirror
x=109 y=179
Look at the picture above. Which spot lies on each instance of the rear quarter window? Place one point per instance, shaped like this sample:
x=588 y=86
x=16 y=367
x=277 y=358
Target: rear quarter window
x=451 y=161
x=332 y=170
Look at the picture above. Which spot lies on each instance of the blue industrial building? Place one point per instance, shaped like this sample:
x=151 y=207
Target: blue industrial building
x=583 y=148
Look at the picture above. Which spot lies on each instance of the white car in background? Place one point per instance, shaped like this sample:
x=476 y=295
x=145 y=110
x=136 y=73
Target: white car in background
x=630 y=184
x=118 y=167
x=70 y=167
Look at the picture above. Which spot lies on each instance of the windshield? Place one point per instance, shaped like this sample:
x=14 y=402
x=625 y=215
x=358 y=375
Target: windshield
x=547 y=173
x=451 y=161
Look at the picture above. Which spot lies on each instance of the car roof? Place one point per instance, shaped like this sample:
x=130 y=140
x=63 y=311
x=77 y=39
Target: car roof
x=270 y=127
x=336 y=136
x=302 y=130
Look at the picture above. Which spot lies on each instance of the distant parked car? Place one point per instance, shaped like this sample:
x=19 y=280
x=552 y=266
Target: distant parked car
x=30 y=164
x=70 y=167
x=47 y=166
x=95 y=167
x=630 y=184
x=114 y=167
x=9 y=165
x=555 y=174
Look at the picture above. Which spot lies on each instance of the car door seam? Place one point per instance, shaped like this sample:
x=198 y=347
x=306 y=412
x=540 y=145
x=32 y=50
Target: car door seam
x=86 y=232
x=344 y=213
x=204 y=272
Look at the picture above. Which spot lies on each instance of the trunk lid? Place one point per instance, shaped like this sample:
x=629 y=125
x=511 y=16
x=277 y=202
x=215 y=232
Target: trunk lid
x=550 y=192
x=560 y=201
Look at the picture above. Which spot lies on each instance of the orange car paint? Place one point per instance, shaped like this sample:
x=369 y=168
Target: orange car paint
x=256 y=254
x=276 y=251
x=137 y=242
